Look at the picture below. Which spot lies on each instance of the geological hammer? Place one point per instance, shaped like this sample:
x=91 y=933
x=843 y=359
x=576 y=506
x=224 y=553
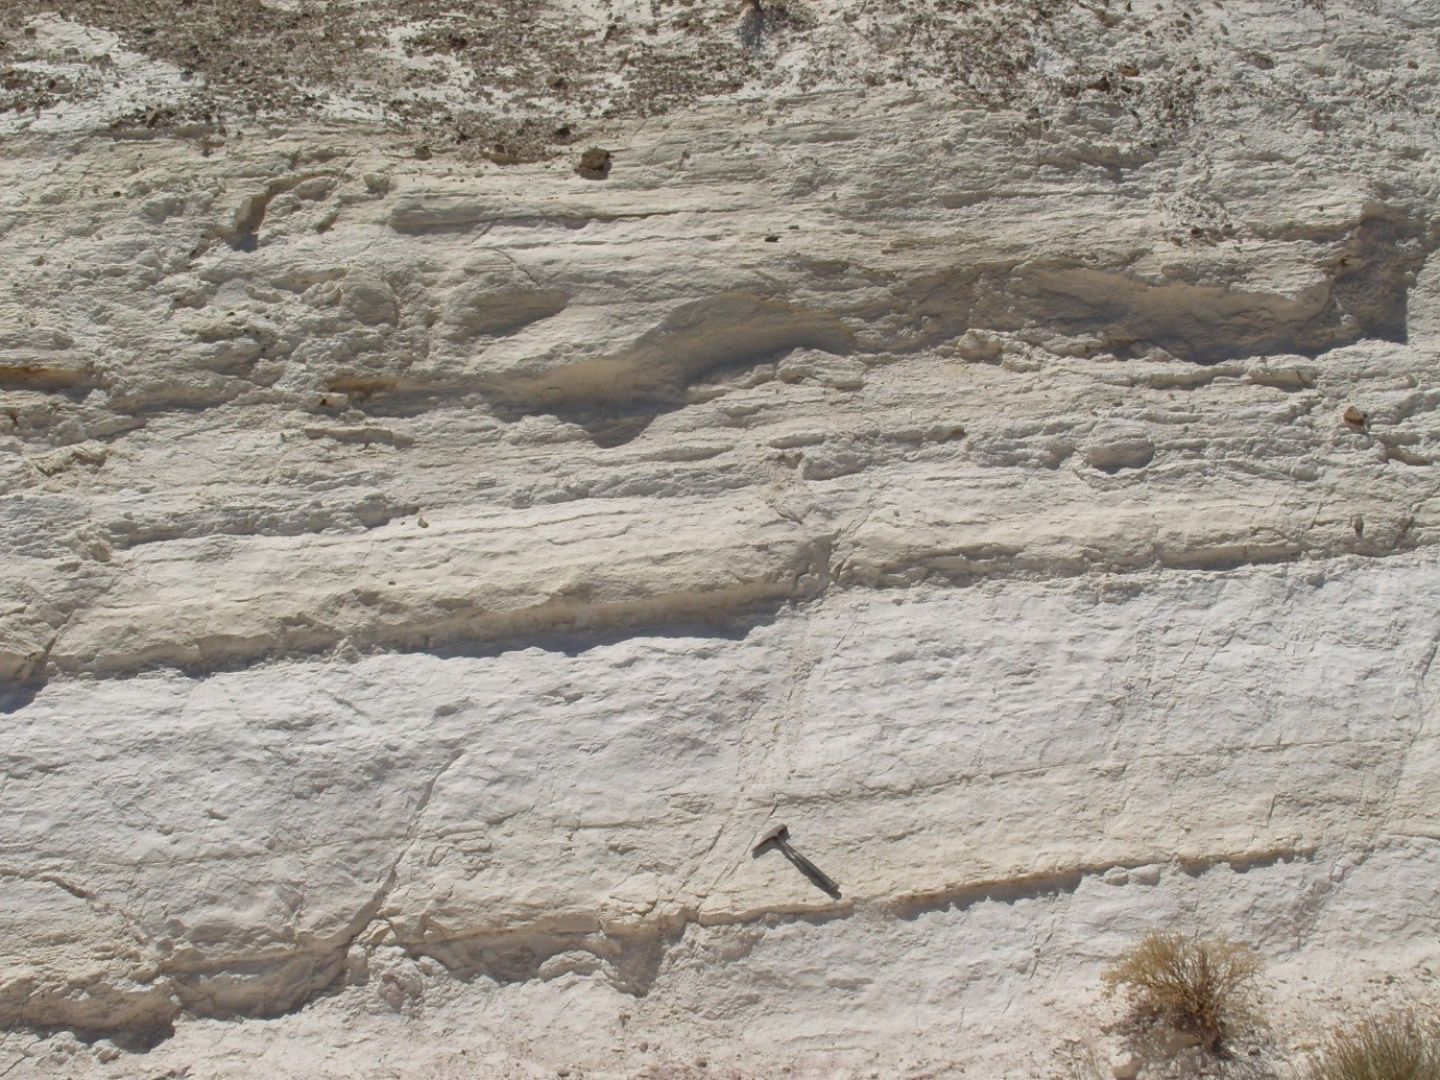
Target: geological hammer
x=778 y=837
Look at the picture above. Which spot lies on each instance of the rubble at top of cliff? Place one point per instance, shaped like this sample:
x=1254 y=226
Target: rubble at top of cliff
x=516 y=80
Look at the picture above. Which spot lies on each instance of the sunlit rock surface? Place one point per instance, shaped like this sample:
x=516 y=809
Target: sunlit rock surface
x=997 y=441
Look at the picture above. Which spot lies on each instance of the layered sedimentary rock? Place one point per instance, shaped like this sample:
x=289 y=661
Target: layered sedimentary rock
x=427 y=567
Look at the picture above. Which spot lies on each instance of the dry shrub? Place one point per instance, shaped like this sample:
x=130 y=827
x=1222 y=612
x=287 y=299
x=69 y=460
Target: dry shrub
x=1078 y=1061
x=1202 y=986
x=1400 y=1046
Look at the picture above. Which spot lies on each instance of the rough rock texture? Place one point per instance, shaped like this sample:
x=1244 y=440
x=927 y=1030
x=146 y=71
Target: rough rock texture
x=997 y=440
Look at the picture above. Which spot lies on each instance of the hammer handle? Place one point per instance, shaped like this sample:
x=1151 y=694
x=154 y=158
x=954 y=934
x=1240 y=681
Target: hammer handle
x=810 y=870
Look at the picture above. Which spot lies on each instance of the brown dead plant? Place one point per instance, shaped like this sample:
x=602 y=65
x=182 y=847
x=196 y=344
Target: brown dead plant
x=1203 y=987
x=1394 y=1046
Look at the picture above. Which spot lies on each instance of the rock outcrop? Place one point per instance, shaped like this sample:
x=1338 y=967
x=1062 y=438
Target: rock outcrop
x=998 y=441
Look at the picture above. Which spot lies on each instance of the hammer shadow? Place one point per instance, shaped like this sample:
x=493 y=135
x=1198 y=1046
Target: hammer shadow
x=813 y=873
x=817 y=877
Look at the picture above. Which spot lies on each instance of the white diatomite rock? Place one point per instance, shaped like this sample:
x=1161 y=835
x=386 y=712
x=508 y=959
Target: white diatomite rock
x=425 y=570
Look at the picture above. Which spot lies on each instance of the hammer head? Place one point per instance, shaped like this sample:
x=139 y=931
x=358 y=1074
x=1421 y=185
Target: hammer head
x=774 y=835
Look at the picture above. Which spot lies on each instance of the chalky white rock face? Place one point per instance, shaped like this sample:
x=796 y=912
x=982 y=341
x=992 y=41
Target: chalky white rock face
x=996 y=441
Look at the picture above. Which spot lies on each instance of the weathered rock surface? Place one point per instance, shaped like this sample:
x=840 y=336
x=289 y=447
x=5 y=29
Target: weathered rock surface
x=425 y=573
